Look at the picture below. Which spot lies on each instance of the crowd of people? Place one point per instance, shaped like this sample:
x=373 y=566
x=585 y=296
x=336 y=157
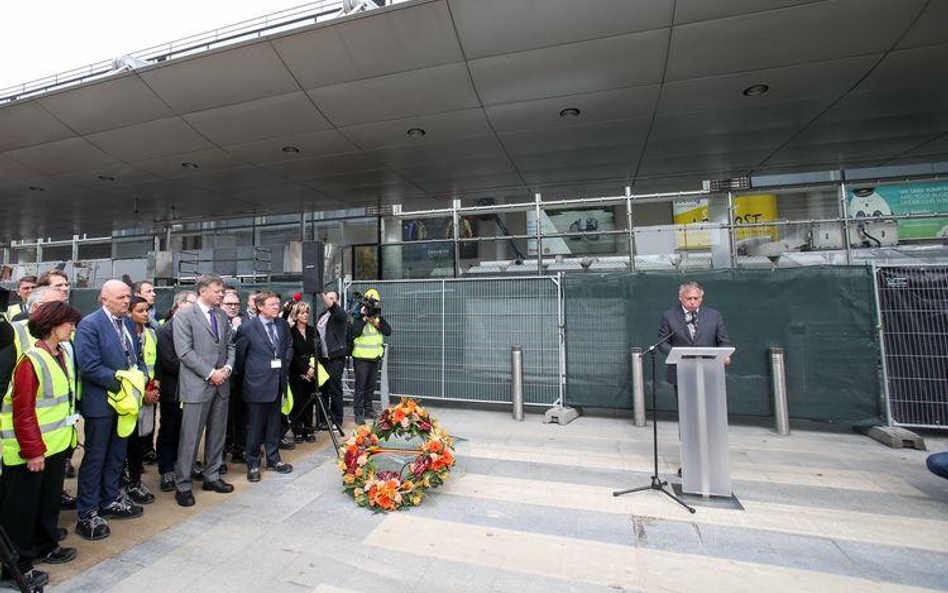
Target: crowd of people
x=147 y=388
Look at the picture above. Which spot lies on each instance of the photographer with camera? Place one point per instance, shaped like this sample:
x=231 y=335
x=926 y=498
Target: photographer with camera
x=367 y=331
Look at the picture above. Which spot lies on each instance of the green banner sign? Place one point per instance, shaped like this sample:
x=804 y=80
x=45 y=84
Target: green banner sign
x=916 y=198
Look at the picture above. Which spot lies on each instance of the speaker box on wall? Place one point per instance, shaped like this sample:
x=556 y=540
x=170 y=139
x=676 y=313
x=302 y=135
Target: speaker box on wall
x=313 y=254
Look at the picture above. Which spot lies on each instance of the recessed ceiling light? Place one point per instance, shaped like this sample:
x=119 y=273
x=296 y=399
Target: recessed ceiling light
x=569 y=112
x=757 y=89
x=189 y=165
x=415 y=133
x=106 y=178
x=35 y=188
x=291 y=149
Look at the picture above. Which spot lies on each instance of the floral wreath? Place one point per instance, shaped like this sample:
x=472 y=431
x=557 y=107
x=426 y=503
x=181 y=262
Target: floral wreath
x=389 y=490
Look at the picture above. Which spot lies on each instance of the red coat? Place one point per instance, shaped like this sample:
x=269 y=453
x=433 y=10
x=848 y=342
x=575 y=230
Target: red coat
x=25 y=424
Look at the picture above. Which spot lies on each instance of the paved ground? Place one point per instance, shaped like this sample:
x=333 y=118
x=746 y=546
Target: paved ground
x=529 y=508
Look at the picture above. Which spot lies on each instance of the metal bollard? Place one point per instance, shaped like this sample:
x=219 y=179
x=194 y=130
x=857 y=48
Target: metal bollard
x=384 y=398
x=516 y=382
x=638 y=387
x=778 y=385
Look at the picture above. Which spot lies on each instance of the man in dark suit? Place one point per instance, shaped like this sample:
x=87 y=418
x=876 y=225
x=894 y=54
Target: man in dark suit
x=203 y=340
x=264 y=351
x=104 y=345
x=166 y=371
x=705 y=326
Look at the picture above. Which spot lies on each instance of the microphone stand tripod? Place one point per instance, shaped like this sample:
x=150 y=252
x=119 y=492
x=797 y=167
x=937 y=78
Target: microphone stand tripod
x=657 y=483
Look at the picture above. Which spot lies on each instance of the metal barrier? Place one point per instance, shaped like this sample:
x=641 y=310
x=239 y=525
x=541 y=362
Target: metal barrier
x=778 y=388
x=516 y=382
x=638 y=387
x=451 y=338
x=912 y=309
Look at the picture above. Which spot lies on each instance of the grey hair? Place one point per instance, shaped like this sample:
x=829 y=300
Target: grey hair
x=690 y=286
x=205 y=280
x=182 y=296
x=38 y=296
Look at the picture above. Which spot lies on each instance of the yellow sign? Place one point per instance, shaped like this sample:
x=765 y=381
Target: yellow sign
x=747 y=209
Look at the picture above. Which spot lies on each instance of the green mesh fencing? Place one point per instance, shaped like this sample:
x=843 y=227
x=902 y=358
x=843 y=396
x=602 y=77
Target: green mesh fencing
x=822 y=317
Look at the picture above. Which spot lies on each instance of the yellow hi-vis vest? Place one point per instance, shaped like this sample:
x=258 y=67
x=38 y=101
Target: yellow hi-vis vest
x=321 y=374
x=22 y=337
x=150 y=350
x=368 y=345
x=128 y=399
x=54 y=405
x=14 y=310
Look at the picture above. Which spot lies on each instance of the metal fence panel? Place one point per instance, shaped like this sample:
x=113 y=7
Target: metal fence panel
x=452 y=338
x=913 y=322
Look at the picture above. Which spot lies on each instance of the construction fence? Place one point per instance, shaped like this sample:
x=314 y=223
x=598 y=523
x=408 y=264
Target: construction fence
x=452 y=338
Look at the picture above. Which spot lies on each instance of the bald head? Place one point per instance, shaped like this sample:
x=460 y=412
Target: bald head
x=114 y=297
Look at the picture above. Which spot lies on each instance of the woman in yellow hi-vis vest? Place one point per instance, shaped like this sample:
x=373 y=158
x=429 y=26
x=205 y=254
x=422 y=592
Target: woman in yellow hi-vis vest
x=138 y=312
x=367 y=331
x=37 y=427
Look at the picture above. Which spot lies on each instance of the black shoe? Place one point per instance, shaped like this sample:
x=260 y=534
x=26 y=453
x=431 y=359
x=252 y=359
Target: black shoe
x=280 y=467
x=238 y=457
x=93 y=528
x=184 y=497
x=67 y=502
x=60 y=555
x=286 y=445
x=197 y=472
x=222 y=470
x=218 y=486
x=70 y=469
x=253 y=474
x=35 y=579
x=61 y=534
x=150 y=457
x=121 y=509
x=298 y=438
x=167 y=482
x=139 y=494
x=310 y=437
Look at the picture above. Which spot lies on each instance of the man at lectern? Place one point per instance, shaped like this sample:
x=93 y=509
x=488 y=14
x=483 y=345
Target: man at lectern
x=699 y=326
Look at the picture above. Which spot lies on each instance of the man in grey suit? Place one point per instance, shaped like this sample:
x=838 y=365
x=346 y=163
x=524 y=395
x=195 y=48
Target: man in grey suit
x=699 y=326
x=203 y=340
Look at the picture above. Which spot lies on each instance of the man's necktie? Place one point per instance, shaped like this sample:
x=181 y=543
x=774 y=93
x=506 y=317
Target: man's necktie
x=692 y=330
x=213 y=323
x=125 y=346
x=273 y=335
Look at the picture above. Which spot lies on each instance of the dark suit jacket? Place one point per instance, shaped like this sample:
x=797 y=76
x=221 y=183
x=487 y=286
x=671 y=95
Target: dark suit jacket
x=99 y=353
x=710 y=333
x=168 y=365
x=260 y=383
x=303 y=348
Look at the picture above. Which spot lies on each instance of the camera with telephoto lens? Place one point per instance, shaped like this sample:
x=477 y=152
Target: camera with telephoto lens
x=372 y=306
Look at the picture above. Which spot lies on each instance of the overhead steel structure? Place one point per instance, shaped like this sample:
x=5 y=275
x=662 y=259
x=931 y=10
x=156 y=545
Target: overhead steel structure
x=428 y=101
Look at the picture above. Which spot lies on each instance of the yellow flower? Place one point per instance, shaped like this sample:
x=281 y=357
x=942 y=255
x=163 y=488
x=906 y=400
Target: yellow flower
x=416 y=500
x=348 y=478
x=358 y=472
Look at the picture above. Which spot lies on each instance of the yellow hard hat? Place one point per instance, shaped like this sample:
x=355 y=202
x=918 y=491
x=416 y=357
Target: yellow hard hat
x=373 y=294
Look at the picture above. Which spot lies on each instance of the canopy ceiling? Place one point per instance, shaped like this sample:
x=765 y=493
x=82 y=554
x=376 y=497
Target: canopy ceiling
x=659 y=86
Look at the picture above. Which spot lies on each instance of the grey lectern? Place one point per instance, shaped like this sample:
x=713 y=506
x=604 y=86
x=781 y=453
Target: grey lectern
x=702 y=418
